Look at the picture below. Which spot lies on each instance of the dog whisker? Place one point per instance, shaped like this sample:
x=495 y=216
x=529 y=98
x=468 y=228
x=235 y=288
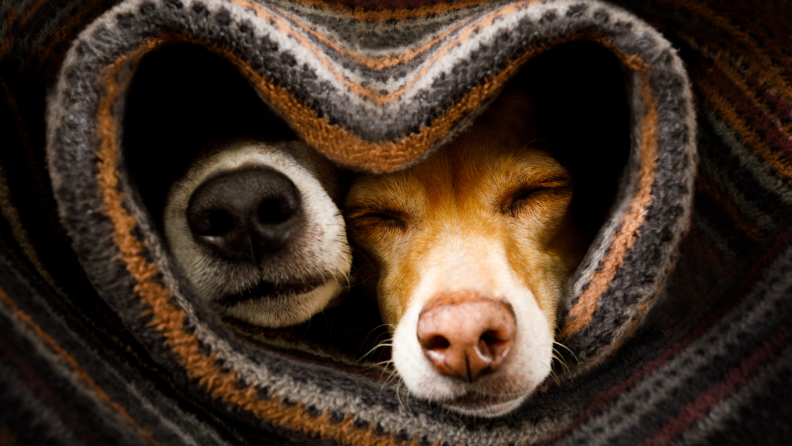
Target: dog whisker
x=398 y=397
x=384 y=364
x=567 y=349
x=560 y=360
x=378 y=346
x=365 y=340
x=555 y=377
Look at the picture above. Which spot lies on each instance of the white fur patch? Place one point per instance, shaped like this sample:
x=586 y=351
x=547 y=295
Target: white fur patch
x=320 y=252
x=460 y=264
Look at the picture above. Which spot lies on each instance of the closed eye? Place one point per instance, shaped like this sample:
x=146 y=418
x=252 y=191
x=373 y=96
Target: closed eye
x=544 y=191
x=388 y=218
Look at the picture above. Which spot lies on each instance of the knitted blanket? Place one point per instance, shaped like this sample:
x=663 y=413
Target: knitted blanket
x=679 y=328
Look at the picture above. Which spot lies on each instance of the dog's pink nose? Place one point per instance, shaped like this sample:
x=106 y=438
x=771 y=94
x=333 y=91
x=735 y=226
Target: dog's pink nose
x=466 y=336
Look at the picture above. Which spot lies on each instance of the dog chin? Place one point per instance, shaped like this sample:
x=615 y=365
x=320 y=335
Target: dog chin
x=280 y=305
x=485 y=406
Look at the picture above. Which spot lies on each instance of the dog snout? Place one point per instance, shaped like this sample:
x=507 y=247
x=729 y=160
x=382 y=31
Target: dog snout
x=246 y=214
x=466 y=336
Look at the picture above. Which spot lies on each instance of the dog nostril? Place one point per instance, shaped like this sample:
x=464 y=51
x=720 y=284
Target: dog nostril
x=493 y=346
x=435 y=343
x=245 y=215
x=493 y=340
x=275 y=211
x=466 y=336
x=490 y=338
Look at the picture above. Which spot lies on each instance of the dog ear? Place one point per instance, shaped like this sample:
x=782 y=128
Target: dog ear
x=182 y=101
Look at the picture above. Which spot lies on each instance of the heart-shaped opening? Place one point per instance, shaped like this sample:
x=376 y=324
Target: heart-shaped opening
x=185 y=101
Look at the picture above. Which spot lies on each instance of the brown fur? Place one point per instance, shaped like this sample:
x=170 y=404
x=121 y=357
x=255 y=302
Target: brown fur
x=488 y=214
x=472 y=184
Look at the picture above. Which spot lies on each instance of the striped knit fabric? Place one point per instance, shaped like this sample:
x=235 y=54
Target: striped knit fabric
x=680 y=321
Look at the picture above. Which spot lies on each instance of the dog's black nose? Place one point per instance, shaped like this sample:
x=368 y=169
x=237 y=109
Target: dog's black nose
x=246 y=214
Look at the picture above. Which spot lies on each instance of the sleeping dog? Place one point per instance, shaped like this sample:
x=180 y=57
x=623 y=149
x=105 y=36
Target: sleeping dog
x=473 y=249
x=255 y=227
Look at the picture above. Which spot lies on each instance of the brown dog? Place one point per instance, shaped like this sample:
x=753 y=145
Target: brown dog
x=474 y=249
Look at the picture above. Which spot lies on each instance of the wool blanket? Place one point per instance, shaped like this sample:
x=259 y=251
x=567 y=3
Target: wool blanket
x=679 y=326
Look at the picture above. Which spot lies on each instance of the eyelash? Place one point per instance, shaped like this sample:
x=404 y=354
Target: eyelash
x=519 y=199
x=382 y=218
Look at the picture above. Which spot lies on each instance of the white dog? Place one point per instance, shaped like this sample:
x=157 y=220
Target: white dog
x=255 y=228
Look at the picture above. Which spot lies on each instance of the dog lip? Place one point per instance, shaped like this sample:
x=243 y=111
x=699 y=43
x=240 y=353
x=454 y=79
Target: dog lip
x=271 y=290
x=475 y=400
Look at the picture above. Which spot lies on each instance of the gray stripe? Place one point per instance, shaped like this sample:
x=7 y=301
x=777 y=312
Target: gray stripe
x=375 y=39
x=424 y=100
x=162 y=410
x=110 y=417
x=19 y=8
x=47 y=425
x=747 y=208
x=50 y=17
x=727 y=412
x=749 y=160
x=759 y=308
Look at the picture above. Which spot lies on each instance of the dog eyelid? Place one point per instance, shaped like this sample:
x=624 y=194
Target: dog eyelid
x=389 y=217
x=519 y=196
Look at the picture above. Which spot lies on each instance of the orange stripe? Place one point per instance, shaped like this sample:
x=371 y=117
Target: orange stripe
x=699 y=242
x=581 y=313
x=284 y=28
x=371 y=93
x=382 y=62
x=82 y=374
x=463 y=37
x=640 y=312
x=171 y=321
x=756 y=56
x=348 y=148
x=393 y=14
x=775 y=160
